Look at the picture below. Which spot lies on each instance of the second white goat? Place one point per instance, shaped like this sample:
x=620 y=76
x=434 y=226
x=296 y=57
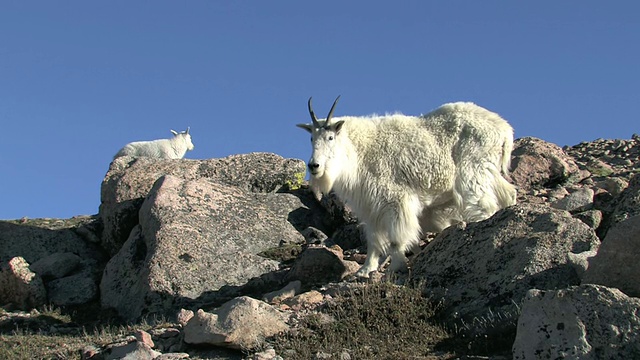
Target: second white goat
x=174 y=148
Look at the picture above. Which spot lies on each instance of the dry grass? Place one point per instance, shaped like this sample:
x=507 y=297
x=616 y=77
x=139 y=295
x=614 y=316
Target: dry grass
x=373 y=321
x=379 y=321
x=48 y=333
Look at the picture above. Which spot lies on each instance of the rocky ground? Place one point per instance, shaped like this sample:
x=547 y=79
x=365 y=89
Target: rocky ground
x=236 y=258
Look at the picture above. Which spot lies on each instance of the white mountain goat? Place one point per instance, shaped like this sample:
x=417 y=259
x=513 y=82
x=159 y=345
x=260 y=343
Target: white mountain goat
x=402 y=175
x=173 y=148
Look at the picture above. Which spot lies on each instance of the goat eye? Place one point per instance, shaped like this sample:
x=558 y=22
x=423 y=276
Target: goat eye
x=331 y=137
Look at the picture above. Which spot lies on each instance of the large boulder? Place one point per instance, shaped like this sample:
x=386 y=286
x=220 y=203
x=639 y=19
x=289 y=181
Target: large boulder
x=36 y=239
x=626 y=205
x=483 y=270
x=194 y=237
x=616 y=263
x=129 y=180
x=61 y=252
x=536 y=163
x=582 y=322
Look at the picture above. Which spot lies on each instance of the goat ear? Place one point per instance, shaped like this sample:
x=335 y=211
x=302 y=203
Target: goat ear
x=174 y=132
x=337 y=126
x=307 y=127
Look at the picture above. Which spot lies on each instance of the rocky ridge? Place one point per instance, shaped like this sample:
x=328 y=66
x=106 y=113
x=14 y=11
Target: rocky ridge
x=210 y=241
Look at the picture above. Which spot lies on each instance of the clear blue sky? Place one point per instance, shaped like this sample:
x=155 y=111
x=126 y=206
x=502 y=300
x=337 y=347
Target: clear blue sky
x=79 y=79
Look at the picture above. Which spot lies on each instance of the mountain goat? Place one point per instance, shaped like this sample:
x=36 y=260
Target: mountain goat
x=173 y=148
x=402 y=175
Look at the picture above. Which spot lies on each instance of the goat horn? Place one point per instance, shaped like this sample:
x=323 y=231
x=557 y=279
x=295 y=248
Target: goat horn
x=313 y=115
x=331 y=111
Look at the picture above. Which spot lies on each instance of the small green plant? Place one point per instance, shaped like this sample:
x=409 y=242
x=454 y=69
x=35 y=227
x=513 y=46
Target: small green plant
x=296 y=182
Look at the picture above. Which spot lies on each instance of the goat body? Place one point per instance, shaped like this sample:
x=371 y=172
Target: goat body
x=403 y=175
x=174 y=148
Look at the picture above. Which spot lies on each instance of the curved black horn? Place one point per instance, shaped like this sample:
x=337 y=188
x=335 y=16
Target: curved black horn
x=331 y=111
x=313 y=115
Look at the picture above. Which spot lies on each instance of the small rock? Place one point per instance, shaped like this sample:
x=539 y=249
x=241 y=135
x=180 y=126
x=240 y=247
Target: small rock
x=134 y=350
x=269 y=354
x=287 y=292
x=593 y=218
x=320 y=265
x=184 y=316
x=580 y=200
x=304 y=300
x=144 y=337
x=241 y=323
x=172 y=356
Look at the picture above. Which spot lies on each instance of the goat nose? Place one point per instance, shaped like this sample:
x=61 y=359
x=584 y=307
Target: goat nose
x=313 y=166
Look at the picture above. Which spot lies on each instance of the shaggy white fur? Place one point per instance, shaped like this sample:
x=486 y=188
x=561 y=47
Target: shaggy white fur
x=402 y=175
x=174 y=148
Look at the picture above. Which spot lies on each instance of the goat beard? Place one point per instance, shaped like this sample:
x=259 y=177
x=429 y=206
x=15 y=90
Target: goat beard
x=323 y=184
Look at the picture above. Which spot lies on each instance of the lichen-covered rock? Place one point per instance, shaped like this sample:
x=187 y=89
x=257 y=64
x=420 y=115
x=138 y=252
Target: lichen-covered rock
x=627 y=205
x=582 y=322
x=129 y=180
x=616 y=263
x=490 y=265
x=194 y=237
x=72 y=290
x=36 y=239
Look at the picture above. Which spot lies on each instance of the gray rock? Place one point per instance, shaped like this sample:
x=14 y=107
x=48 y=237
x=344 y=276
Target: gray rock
x=627 y=205
x=242 y=323
x=490 y=265
x=536 y=163
x=580 y=200
x=72 y=290
x=582 y=322
x=20 y=286
x=350 y=236
x=39 y=238
x=195 y=237
x=129 y=180
x=319 y=265
x=580 y=262
x=616 y=263
x=134 y=350
x=314 y=236
x=613 y=185
x=289 y=291
x=56 y=265
x=593 y=218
